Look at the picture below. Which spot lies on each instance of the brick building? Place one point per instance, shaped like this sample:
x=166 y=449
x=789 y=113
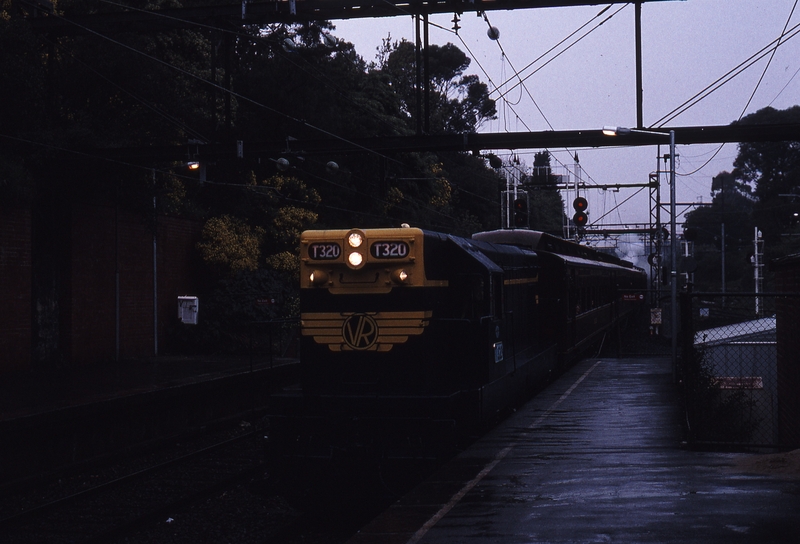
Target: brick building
x=79 y=289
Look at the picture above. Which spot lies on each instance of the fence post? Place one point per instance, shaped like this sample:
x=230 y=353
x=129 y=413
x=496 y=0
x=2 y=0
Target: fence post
x=688 y=377
x=687 y=331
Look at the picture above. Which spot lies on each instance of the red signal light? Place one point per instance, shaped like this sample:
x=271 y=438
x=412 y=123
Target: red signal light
x=580 y=218
x=521 y=212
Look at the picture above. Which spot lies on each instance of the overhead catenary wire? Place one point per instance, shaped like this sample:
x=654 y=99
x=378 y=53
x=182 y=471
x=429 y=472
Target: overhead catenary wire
x=680 y=174
x=521 y=83
x=617 y=206
x=298 y=121
x=507 y=103
x=722 y=80
x=777 y=43
x=770 y=49
x=518 y=76
x=257 y=38
x=240 y=96
x=249 y=36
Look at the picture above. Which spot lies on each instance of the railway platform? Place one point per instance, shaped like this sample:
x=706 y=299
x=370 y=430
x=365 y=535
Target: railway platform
x=598 y=457
x=58 y=417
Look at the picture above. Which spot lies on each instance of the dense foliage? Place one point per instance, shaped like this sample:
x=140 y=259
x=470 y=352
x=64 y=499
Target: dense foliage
x=547 y=206
x=763 y=192
x=89 y=90
x=69 y=99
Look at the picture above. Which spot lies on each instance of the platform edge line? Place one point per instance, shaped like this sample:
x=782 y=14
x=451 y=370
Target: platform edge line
x=455 y=499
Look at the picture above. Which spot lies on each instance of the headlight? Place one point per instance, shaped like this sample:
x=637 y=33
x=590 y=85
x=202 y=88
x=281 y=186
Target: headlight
x=318 y=277
x=355 y=259
x=355 y=239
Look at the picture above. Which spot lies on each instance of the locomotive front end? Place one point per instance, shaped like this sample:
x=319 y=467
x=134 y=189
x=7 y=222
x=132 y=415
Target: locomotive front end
x=358 y=289
x=371 y=357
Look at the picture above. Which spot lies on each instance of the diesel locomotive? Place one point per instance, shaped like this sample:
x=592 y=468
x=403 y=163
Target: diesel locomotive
x=408 y=333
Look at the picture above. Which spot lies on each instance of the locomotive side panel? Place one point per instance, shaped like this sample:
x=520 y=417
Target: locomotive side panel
x=527 y=355
x=581 y=289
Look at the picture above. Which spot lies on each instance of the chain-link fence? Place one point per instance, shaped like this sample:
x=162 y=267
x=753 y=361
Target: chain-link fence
x=729 y=370
x=273 y=339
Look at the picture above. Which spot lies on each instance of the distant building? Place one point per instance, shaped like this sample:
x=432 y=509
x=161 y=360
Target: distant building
x=744 y=357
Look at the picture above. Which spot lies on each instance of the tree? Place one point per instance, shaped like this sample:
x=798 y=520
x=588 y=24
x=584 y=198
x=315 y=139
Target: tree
x=546 y=205
x=22 y=78
x=758 y=193
x=231 y=245
x=772 y=171
x=731 y=209
x=458 y=103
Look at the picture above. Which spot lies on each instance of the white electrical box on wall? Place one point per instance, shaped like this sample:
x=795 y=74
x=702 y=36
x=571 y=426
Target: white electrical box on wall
x=187 y=310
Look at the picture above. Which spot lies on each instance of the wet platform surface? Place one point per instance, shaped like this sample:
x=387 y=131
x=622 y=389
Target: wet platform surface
x=596 y=457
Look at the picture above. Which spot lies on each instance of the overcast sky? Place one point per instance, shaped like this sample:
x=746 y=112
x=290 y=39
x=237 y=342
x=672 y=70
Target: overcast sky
x=687 y=46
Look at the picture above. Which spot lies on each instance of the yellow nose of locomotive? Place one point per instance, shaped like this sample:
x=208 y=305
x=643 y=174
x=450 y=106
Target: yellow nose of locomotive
x=356 y=260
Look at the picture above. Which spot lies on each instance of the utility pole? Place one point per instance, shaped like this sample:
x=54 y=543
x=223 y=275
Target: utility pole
x=758 y=267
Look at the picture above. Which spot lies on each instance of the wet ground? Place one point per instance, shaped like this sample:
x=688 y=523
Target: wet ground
x=598 y=457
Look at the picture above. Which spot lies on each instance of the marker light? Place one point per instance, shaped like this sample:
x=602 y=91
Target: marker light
x=399 y=276
x=318 y=277
x=355 y=239
x=355 y=259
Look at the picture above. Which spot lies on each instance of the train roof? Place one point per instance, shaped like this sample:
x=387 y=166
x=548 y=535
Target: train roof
x=492 y=255
x=543 y=242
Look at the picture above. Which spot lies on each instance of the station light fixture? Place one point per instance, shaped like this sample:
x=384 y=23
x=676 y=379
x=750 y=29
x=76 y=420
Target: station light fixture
x=673 y=272
x=620 y=131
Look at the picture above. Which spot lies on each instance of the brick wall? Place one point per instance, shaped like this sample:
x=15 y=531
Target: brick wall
x=109 y=244
x=178 y=262
x=98 y=242
x=88 y=309
x=15 y=289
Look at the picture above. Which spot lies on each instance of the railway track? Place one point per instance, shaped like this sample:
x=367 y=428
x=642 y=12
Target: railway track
x=135 y=495
x=215 y=487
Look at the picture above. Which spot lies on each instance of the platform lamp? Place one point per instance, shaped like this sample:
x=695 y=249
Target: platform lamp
x=673 y=245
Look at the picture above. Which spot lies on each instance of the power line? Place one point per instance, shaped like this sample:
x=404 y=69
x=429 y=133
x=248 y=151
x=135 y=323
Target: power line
x=183 y=71
x=517 y=76
x=238 y=95
x=724 y=79
x=758 y=84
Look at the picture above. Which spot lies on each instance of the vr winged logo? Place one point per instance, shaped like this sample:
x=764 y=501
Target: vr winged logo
x=360 y=331
x=363 y=331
